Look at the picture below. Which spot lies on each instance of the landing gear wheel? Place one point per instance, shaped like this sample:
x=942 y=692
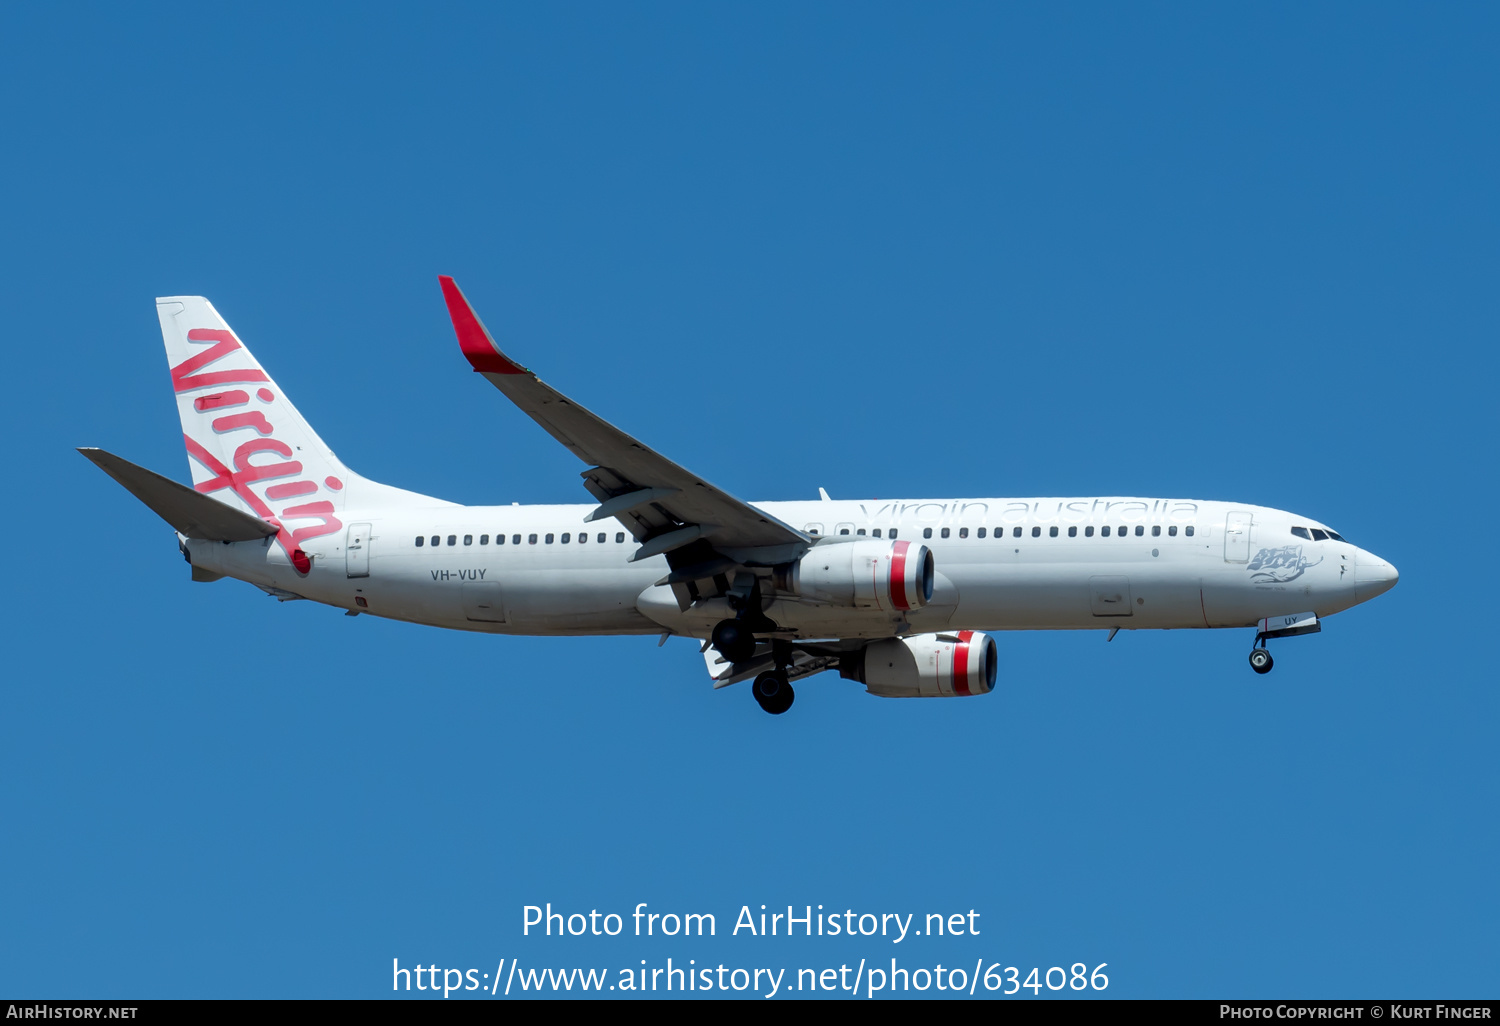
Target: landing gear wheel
x=733 y=641
x=773 y=692
x=1260 y=660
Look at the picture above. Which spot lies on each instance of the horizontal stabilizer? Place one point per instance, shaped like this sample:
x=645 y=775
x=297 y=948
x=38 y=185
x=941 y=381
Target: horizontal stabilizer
x=191 y=513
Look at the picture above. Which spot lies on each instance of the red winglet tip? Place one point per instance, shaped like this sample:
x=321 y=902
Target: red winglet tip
x=477 y=346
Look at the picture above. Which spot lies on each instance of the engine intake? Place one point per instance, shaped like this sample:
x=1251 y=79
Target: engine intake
x=865 y=574
x=925 y=665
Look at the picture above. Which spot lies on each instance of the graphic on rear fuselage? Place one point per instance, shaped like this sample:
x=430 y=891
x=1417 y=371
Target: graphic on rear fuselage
x=1277 y=566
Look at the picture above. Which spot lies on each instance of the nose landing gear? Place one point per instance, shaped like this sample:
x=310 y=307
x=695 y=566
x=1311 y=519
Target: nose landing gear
x=1260 y=659
x=1293 y=625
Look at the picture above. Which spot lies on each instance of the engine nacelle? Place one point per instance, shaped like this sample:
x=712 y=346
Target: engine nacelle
x=925 y=665
x=865 y=574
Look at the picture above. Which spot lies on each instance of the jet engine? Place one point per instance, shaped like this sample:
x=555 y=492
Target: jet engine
x=925 y=665
x=865 y=574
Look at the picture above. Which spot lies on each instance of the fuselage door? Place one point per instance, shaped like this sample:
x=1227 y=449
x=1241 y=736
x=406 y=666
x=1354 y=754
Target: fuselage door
x=1237 y=538
x=483 y=601
x=1110 y=596
x=357 y=550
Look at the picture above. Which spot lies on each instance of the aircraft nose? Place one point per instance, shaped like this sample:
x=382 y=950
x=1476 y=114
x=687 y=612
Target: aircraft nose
x=1372 y=576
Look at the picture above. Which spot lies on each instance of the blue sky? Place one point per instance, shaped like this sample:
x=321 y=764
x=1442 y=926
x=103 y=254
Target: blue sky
x=1241 y=253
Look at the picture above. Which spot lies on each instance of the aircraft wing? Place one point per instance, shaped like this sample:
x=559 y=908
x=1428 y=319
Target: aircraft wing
x=702 y=529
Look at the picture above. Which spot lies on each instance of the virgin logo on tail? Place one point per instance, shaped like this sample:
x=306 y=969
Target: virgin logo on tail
x=246 y=476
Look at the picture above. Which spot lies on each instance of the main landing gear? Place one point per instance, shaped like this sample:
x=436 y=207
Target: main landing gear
x=735 y=640
x=773 y=689
x=774 y=692
x=735 y=637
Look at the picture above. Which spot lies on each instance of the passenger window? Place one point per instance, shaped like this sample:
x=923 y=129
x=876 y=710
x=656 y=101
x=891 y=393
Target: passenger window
x=420 y=540
x=963 y=532
x=979 y=533
x=1188 y=530
x=875 y=532
x=531 y=539
x=436 y=541
x=1088 y=532
x=1016 y=533
x=602 y=538
x=1319 y=535
x=1104 y=531
x=1156 y=530
x=926 y=532
x=500 y=539
x=843 y=530
x=893 y=533
x=453 y=539
x=468 y=539
x=1036 y=532
x=583 y=536
x=945 y=532
x=1301 y=532
x=565 y=538
x=1052 y=532
x=860 y=531
x=1073 y=531
x=814 y=529
x=484 y=539
x=1172 y=531
x=549 y=539
x=619 y=537
x=515 y=539
x=1140 y=530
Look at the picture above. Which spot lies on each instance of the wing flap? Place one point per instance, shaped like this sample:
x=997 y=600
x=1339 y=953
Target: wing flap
x=804 y=663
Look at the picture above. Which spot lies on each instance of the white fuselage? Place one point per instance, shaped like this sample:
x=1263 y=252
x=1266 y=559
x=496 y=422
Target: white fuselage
x=1002 y=564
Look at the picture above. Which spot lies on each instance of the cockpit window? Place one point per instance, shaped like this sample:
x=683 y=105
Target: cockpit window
x=1319 y=535
x=1335 y=536
x=1301 y=532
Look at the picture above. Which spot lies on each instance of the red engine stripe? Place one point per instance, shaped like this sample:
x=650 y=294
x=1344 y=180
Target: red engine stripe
x=898 y=575
x=961 y=663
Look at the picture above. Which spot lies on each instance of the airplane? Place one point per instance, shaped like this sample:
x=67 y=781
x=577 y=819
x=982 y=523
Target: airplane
x=902 y=596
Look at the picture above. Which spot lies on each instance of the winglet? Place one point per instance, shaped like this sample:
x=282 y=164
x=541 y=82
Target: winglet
x=477 y=344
